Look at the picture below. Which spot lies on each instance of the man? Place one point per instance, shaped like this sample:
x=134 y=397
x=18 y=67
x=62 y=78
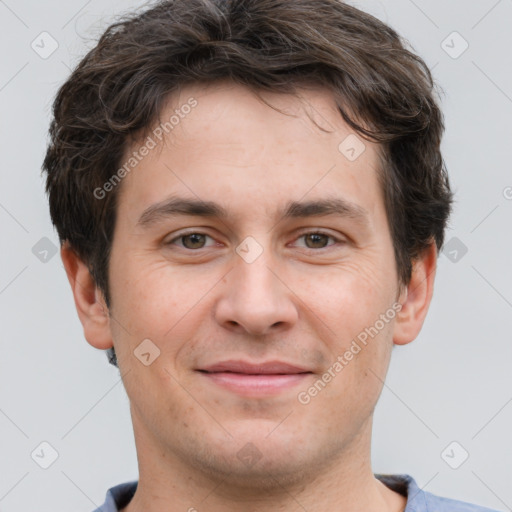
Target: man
x=250 y=198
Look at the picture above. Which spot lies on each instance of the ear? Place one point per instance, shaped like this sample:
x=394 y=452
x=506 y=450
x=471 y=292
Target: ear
x=415 y=298
x=89 y=301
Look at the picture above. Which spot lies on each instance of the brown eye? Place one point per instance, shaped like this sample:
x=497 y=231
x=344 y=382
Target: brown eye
x=318 y=240
x=193 y=241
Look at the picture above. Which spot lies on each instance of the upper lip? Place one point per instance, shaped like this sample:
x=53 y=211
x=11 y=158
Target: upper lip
x=266 y=367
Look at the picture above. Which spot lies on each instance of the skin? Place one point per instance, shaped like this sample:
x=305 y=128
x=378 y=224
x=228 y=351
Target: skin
x=303 y=301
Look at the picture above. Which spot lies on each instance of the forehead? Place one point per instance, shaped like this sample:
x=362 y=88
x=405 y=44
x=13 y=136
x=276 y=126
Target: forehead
x=222 y=141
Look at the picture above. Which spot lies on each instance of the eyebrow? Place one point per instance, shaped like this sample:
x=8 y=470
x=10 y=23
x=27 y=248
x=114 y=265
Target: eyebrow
x=293 y=209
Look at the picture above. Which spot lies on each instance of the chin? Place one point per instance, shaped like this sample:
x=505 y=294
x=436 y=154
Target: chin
x=253 y=459
x=259 y=472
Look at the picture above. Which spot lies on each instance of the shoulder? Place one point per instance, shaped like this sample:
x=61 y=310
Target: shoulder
x=423 y=501
x=446 y=504
x=118 y=497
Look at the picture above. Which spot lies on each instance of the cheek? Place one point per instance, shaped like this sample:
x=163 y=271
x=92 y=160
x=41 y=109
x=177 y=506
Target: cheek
x=151 y=294
x=364 y=359
x=350 y=300
x=144 y=305
x=348 y=296
x=163 y=304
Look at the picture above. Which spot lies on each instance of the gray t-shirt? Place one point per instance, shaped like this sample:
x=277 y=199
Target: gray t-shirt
x=417 y=500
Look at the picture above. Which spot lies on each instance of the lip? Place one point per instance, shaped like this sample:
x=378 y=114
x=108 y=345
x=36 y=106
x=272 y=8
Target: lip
x=255 y=379
x=263 y=368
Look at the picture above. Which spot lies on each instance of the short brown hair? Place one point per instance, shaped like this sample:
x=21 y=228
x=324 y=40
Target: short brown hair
x=383 y=90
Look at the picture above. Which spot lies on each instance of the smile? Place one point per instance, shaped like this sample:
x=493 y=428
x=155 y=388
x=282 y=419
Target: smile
x=249 y=379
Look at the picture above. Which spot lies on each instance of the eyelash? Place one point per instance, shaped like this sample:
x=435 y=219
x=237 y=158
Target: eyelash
x=317 y=232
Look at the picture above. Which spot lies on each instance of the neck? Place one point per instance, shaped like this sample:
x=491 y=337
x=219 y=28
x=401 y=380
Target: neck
x=346 y=482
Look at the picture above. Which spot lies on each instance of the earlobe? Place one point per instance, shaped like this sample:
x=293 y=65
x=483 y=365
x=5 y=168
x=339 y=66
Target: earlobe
x=89 y=301
x=415 y=299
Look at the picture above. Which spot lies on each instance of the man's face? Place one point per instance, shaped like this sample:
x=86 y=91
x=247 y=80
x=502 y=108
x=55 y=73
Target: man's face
x=265 y=283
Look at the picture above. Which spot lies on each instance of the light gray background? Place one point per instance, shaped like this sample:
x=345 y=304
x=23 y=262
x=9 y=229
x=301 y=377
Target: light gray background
x=454 y=383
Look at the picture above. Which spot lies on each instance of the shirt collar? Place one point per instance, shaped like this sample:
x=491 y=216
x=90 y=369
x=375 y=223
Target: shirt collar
x=119 y=496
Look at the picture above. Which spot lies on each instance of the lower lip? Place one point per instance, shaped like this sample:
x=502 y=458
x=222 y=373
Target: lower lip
x=245 y=384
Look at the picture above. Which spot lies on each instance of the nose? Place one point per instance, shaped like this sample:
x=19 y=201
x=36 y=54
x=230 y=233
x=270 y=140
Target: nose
x=255 y=299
